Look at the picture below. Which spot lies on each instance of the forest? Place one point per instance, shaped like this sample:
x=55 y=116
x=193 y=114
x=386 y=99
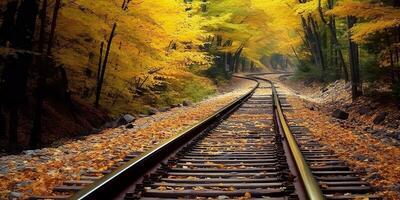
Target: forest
x=68 y=62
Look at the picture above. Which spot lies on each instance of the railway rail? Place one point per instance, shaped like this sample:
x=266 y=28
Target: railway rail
x=246 y=150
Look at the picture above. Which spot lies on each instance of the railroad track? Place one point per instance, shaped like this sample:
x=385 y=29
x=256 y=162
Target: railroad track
x=247 y=150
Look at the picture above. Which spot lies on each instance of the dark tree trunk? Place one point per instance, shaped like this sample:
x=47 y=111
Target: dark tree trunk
x=312 y=41
x=332 y=30
x=13 y=145
x=25 y=24
x=16 y=71
x=103 y=69
x=53 y=26
x=236 y=59
x=252 y=66
x=2 y=122
x=7 y=28
x=43 y=25
x=35 y=138
x=354 y=61
x=100 y=61
x=40 y=91
x=318 y=45
x=204 y=6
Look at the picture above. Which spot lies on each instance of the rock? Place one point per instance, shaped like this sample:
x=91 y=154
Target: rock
x=129 y=126
x=14 y=195
x=394 y=124
x=23 y=183
x=3 y=169
x=152 y=111
x=222 y=197
x=126 y=119
x=112 y=124
x=374 y=176
x=395 y=187
x=367 y=129
x=187 y=103
x=364 y=158
x=339 y=114
x=380 y=118
x=364 y=110
x=176 y=105
x=397 y=135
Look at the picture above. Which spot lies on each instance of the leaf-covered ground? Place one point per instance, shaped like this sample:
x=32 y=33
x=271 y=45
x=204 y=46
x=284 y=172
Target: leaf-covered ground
x=36 y=172
x=376 y=161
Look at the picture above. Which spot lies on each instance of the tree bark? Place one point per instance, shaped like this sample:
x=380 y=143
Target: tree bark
x=100 y=62
x=15 y=73
x=332 y=30
x=7 y=28
x=43 y=25
x=53 y=26
x=354 y=61
x=103 y=69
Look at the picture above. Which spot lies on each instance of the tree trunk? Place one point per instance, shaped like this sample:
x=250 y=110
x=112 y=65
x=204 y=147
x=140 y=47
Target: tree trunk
x=203 y=6
x=100 y=62
x=310 y=31
x=103 y=69
x=332 y=30
x=53 y=26
x=43 y=25
x=7 y=28
x=236 y=59
x=252 y=66
x=16 y=71
x=354 y=61
x=13 y=145
x=318 y=45
x=35 y=138
x=2 y=122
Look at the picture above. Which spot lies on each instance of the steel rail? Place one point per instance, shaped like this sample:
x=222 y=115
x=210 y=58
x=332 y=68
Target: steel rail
x=113 y=184
x=313 y=191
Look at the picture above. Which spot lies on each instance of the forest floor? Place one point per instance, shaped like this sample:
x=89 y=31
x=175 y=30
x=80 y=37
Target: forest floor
x=36 y=172
x=371 y=149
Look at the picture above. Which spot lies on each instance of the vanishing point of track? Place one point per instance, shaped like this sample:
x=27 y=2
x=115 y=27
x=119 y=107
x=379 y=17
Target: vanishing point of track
x=247 y=150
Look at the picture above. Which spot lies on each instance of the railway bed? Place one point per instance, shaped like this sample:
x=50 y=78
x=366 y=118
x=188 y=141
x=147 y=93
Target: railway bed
x=247 y=150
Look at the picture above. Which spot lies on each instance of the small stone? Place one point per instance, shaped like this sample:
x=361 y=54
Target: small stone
x=23 y=183
x=364 y=110
x=187 y=103
x=223 y=197
x=129 y=126
x=152 y=111
x=340 y=114
x=397 y=135
x=380 y=118
x=112 y=124
x=14 y=195
x=125 y=119
x=374 y=176
x=360 y=157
